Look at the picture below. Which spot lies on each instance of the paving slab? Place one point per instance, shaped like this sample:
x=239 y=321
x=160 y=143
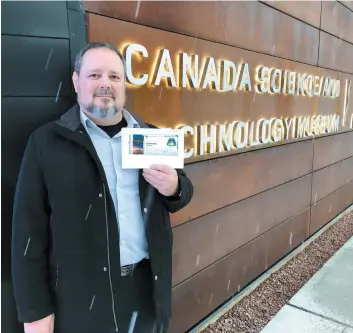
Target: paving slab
x=293 y=320
x=329 y=292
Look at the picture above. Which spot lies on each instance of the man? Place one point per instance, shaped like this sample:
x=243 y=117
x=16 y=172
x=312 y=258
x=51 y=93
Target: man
x=92 y=242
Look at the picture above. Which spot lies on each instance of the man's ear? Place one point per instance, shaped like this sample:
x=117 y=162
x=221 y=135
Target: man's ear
x=75 y=81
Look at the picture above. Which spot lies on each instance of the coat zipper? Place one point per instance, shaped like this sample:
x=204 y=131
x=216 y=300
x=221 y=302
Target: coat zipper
x=109 y=272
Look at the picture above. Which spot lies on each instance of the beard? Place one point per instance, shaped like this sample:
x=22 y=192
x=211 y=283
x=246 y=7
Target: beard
x=106 y=109
x=103 y=112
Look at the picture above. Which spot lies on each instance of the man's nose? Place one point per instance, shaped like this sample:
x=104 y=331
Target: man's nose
x=105 y=82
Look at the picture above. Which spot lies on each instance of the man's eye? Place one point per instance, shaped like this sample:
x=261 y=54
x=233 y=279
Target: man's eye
x=94 y=76
x=116 y=78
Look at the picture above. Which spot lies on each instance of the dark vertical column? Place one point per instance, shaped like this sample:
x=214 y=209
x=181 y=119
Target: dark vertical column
x=77 y=32
x=38 y=39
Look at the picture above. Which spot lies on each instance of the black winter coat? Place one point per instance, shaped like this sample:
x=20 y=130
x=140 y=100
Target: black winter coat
x=59 y=259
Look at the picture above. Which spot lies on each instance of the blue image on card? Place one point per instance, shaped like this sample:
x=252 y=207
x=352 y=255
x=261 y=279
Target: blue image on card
x=138 y=144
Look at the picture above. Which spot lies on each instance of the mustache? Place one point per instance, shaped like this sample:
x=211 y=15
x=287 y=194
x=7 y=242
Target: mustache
x=106 y=92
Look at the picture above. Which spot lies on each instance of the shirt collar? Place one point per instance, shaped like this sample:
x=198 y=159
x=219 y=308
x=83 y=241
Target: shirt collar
x=88 y=123
x=131 y=121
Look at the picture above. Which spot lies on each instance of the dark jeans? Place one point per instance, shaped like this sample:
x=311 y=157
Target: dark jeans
x=136 y=296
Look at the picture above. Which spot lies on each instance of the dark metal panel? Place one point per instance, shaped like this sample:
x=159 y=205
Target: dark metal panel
x=247 y=24
x=224 y=181
x=207 y=239
x=19 y=117
x=335 y=53
x=331 y=178
x=337 y=20
x=75 y=5
x=35 y=66
x=77 y=33
x=332 y=149
x=214 y=285
x=307 y=11
x=329 y=207
x=34 y=18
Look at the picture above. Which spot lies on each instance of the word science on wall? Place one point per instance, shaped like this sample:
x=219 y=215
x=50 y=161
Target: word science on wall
x=192 y=72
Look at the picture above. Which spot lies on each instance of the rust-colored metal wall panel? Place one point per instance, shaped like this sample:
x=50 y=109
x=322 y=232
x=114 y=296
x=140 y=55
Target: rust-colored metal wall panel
x=331 y=178
x=330 y=206
x=171 y=107
x=286 y=237
x=251 y=25
x=190 y=106
x=207 y=239
x=345 y=109
x=335 y=53
x=237 y=177
x=209 y=288
x=307 y=11
x=240 y=200
x=347 y=3
x=337 y=20
x=332 y=149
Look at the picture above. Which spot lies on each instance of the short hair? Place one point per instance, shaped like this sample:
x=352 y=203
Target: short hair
x=96 y=45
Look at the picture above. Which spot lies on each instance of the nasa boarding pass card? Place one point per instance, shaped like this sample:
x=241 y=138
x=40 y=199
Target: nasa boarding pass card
x=142 y=147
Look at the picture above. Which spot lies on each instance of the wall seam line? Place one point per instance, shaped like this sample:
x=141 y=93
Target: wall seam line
x=238 y=248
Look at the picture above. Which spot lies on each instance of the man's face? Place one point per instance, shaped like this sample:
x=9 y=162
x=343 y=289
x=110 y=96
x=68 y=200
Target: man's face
x=100 y=86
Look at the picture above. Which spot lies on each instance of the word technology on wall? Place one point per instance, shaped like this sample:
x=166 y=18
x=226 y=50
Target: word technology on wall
x=193 y=72
x=211 y=139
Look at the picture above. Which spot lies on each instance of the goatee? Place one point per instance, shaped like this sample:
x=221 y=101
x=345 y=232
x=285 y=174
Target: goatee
x=102 y=112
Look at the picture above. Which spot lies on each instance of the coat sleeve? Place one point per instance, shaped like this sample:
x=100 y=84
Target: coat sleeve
x=184 y=196
x=30 y=238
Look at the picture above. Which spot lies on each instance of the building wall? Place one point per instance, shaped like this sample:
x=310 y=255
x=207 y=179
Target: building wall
x=251 y=206
x=254 y=205
x=37 y=41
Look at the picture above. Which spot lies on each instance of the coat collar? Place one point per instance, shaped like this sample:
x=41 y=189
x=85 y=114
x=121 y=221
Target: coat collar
x=72 y=120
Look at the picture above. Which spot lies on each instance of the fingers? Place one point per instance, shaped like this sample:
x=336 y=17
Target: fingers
x=154 y=181
x=162 y=168
x=160 y=185
x=155 y=174
x=162 y=177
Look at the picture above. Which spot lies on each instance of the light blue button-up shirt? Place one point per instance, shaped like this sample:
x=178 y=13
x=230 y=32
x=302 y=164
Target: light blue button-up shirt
x=124 y=189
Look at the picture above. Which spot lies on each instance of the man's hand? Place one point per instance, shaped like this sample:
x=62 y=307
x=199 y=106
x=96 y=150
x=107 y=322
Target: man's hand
x=163 y=178
x=45 y=325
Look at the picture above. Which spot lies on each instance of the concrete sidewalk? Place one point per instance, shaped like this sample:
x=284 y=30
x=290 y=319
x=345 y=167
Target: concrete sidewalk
x=325 y=303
